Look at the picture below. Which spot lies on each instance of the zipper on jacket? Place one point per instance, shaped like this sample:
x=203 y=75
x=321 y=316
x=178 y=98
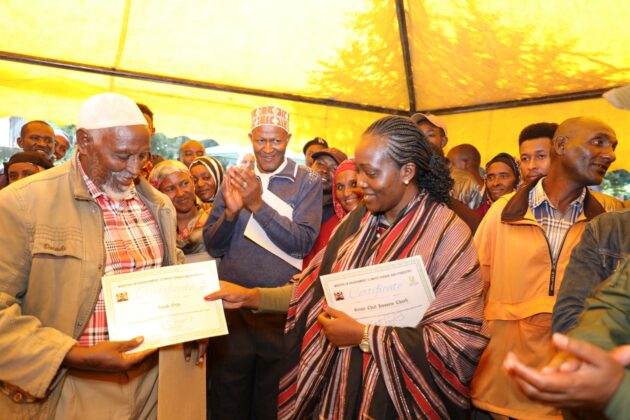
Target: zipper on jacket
x=552 y=279
x=554 y=264
x=552 y=276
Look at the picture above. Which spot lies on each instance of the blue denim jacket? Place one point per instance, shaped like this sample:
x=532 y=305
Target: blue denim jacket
x=604 y=245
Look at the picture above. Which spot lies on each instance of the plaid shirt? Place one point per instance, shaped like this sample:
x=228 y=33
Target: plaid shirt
x=553 y=221
x=132 y=243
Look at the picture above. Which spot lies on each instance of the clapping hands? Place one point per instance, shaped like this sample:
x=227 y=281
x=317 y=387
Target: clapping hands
x=241 y=189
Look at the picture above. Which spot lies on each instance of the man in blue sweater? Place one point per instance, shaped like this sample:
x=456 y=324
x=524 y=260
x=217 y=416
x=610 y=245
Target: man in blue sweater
x=262 y=224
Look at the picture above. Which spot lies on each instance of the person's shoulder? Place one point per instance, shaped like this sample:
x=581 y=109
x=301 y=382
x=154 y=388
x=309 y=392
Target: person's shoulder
x=492 y=220
x=496 y=209
x=460 y=176
x=463 y=177
x=609 y=202
x=465 y=214
x=305 y=174
x=617 y=217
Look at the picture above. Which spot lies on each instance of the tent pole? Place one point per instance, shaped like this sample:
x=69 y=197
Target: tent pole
x=404 y=43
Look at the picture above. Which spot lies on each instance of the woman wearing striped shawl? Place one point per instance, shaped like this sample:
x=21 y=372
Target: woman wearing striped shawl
x=421 y=372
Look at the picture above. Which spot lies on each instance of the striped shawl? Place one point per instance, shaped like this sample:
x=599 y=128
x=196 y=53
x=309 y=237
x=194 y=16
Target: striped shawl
x=421 y=372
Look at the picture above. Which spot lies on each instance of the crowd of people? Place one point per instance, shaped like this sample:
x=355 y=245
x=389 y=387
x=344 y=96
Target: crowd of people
x=528 y=266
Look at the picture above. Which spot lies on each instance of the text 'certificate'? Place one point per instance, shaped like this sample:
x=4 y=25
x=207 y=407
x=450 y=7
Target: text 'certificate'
x=396 y=293
x=165 y=305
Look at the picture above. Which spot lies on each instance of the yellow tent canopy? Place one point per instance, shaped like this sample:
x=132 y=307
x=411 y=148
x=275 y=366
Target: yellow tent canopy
x=491 y=67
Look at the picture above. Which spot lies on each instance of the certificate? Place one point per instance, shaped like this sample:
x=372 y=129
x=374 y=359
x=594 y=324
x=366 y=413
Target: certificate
x=257 y=234
x=165 y=305
x=396 y=293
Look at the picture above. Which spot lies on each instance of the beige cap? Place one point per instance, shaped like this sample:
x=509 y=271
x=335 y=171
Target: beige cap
x=107 y=110
x=433 y=119
x=619 y=97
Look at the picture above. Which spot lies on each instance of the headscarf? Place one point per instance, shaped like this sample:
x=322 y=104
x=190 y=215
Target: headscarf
x=346 y=165
x=242 y=157
x=510 y=162
x=164 y=169
x=214 y=167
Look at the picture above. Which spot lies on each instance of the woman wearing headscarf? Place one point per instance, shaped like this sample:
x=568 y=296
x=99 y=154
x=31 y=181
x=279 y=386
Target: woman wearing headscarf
x=414 y=372
x=173 y=178
x=502 y=177
x=247 y=161
x=207 y=174
x=346 y=197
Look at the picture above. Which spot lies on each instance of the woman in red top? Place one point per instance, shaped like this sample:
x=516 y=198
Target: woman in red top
x=346 y=197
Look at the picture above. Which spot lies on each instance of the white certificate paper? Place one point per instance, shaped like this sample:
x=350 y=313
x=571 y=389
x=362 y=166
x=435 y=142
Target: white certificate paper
x=165 y=305
x=257 y=234
x=396 y=293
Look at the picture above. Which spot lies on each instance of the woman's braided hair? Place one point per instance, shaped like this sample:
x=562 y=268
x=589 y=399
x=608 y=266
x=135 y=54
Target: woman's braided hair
x=407 y=144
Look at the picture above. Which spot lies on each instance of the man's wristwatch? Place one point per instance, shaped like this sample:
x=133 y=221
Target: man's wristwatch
x=365 y=343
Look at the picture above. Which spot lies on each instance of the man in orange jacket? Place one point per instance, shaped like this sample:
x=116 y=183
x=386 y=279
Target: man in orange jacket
x=524 y=244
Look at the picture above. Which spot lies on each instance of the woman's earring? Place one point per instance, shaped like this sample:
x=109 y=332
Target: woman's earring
x=406 y=182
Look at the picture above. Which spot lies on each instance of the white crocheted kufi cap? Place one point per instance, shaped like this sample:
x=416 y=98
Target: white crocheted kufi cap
x=107 y=110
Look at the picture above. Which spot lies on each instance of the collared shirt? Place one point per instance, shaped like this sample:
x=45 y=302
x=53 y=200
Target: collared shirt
x=266 y=176
x=554 y=222
x=132 y=243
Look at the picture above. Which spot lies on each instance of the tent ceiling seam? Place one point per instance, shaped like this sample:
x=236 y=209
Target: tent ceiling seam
x=88 y=68
x=130 y=74
x=540 y=100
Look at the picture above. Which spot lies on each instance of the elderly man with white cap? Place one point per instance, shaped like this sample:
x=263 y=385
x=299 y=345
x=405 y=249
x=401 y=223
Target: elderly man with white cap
x=262 y=221
x=62 y=231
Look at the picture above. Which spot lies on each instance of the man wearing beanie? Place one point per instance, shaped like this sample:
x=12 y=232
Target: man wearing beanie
x=63 y=230
x=325 y=163
x=262 y=224
x=25 y=164
x=313 y=146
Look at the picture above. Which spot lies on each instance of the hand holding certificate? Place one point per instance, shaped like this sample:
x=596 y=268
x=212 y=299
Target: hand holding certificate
x=164 y=305
x=396 y=293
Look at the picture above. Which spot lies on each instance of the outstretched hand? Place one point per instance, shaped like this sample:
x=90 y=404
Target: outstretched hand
x=235 y=296
x=586 y=376
x=107 y=356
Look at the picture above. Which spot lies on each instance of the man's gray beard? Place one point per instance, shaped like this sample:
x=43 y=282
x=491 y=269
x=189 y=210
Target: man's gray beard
x=115 y=194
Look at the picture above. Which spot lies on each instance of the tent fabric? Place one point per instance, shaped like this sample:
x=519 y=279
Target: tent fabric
x=463 y=53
